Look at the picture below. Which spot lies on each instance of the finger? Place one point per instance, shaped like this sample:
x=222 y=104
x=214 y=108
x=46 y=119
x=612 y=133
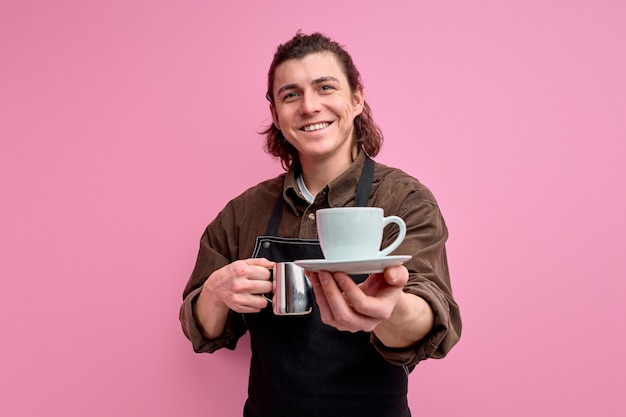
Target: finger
x=248 y=303
x=345 y=283
x=329 y=286
x=320 y=297
x=263 y=262
x=334 y=295
x=330 y=313
x=355 y=297
x=259 y=272
x=396 y=275
x=253 y=305
x=335 y=307
x=373 y=300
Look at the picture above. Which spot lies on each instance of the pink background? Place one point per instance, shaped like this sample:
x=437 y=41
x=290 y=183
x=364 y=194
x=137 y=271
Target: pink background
x=126 y=125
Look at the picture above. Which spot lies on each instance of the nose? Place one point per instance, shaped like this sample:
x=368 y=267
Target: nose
x=309 y=104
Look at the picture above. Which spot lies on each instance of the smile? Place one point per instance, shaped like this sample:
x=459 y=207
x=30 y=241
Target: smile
x=316 y=126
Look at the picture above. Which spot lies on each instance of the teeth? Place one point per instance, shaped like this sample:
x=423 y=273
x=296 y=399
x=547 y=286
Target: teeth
x=317 y=126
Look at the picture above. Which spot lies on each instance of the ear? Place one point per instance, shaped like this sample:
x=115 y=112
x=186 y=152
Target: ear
x=274 y=116
x=358 y=100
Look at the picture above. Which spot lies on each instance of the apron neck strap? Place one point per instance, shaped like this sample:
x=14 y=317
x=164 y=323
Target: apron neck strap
x=364 y=187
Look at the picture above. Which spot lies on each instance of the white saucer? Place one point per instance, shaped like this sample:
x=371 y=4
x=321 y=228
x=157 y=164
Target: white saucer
x=363 y=266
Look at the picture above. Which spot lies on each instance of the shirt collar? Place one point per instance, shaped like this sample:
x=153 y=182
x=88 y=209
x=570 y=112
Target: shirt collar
x=340 y=191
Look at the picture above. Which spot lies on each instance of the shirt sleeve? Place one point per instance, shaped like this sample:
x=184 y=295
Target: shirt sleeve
x=234 y=329
x=213 y=253
x=429 y=278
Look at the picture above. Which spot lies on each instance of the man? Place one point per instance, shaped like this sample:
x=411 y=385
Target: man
x=352 y=354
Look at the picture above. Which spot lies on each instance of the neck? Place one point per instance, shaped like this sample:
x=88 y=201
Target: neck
x=317 y=173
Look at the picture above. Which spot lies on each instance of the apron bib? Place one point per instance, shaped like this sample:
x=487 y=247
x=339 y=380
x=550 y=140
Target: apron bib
x=303 y=367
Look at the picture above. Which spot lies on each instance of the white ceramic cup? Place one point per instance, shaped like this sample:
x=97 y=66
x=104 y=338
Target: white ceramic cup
x=355 y=233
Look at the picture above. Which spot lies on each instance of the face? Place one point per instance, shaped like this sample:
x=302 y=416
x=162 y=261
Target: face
x=314 y=107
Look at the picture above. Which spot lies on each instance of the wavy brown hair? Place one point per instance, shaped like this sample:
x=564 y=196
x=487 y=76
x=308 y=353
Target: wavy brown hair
x=367 y=133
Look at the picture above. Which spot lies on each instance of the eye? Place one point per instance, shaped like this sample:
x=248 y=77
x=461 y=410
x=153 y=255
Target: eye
x=326 y=88
x=290 y=96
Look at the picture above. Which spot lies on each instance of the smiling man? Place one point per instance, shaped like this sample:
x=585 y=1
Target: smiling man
x=352 y=354
x=314 y=108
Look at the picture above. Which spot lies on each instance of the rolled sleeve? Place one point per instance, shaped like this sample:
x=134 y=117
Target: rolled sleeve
x=234 y=329
x=214 y=252
x=429 y=277
x=443 y=336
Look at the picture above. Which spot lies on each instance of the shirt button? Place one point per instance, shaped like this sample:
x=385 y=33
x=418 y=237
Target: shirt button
x=312 y=216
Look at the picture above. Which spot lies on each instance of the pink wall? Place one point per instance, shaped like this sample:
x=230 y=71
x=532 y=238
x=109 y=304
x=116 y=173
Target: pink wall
x=126 y=125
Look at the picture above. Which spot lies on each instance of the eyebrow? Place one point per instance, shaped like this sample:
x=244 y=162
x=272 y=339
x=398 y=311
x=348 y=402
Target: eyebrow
x=319 y=80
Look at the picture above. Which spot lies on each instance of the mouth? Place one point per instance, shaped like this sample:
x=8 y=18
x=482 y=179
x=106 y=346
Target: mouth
x=315 y=126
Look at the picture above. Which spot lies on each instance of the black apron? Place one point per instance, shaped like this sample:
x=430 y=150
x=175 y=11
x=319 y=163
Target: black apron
x=302 y=367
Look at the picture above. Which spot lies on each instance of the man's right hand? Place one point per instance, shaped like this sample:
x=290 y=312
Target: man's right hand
x=238 y=286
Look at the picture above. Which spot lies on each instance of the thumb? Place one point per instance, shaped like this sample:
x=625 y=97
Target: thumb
x=396 y=275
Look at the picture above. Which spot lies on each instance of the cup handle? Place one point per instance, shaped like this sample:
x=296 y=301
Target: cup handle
x=271 y=279
x=397 y=220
